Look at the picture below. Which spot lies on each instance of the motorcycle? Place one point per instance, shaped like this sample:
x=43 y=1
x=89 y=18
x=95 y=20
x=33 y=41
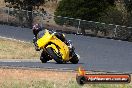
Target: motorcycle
x=55 y=48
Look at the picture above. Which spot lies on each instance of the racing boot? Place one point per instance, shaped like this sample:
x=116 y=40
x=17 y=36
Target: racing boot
x=35 y=44
x=36 y=47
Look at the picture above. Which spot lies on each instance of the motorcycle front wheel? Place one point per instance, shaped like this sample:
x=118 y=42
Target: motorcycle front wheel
x=44 y=57
x=54 y=55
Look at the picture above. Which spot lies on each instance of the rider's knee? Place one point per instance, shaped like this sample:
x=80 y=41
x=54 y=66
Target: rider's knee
x=34 y=39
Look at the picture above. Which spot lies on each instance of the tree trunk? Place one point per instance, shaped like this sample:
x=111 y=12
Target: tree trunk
x=30 y=18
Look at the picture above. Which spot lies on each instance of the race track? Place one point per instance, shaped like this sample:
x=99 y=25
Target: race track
x=96 y=54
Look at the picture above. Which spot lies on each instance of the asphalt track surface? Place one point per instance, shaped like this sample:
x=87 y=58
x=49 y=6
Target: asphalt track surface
x=96 y=54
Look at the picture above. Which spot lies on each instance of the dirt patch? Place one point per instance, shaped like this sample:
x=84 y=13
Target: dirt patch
x=18 y=74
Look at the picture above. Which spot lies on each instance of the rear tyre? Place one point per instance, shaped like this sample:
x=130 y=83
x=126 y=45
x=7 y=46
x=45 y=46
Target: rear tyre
x=43 y=57
x=74 y=59
x=54 y=55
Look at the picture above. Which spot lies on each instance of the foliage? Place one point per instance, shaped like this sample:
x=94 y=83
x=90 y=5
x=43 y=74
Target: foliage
x=128 y=4
x=83 y=9
x=24 y=4
x=112 y=15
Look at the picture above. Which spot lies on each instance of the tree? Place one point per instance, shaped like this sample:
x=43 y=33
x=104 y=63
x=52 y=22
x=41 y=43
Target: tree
x=128 y=4
x=112 y=2
x=112 y=15
x=26 y=5
x=83 y=9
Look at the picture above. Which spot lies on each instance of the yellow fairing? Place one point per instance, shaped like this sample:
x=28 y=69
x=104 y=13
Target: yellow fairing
x=63 y=48
x=56 y=44
x=44 y=40
x=53 y=47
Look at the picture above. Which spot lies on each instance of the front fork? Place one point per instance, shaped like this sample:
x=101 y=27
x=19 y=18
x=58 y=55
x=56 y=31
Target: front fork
x=71 y=50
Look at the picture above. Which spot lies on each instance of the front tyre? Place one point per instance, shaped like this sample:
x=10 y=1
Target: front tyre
x=54 y=55
x=74 y=59
x=43 y=57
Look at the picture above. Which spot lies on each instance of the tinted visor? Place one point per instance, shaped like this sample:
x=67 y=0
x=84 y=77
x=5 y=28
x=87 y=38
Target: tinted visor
x=41 y=33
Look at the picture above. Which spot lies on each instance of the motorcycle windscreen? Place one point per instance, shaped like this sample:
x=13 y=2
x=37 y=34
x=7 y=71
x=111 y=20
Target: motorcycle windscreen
x=43 y=38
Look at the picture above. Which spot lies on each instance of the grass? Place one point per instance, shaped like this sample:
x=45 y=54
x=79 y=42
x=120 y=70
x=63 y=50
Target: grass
x=11 y=49
x=18 y=78
x=49 y=84
x=36 y=84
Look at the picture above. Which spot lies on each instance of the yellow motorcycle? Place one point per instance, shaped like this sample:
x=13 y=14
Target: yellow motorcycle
x=55 y=48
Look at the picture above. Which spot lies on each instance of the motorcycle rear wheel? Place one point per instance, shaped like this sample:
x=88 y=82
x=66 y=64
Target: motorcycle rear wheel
x=54 y=56
x=74 y=59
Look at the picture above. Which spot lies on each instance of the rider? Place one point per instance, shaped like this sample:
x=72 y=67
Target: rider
x=37 y=28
